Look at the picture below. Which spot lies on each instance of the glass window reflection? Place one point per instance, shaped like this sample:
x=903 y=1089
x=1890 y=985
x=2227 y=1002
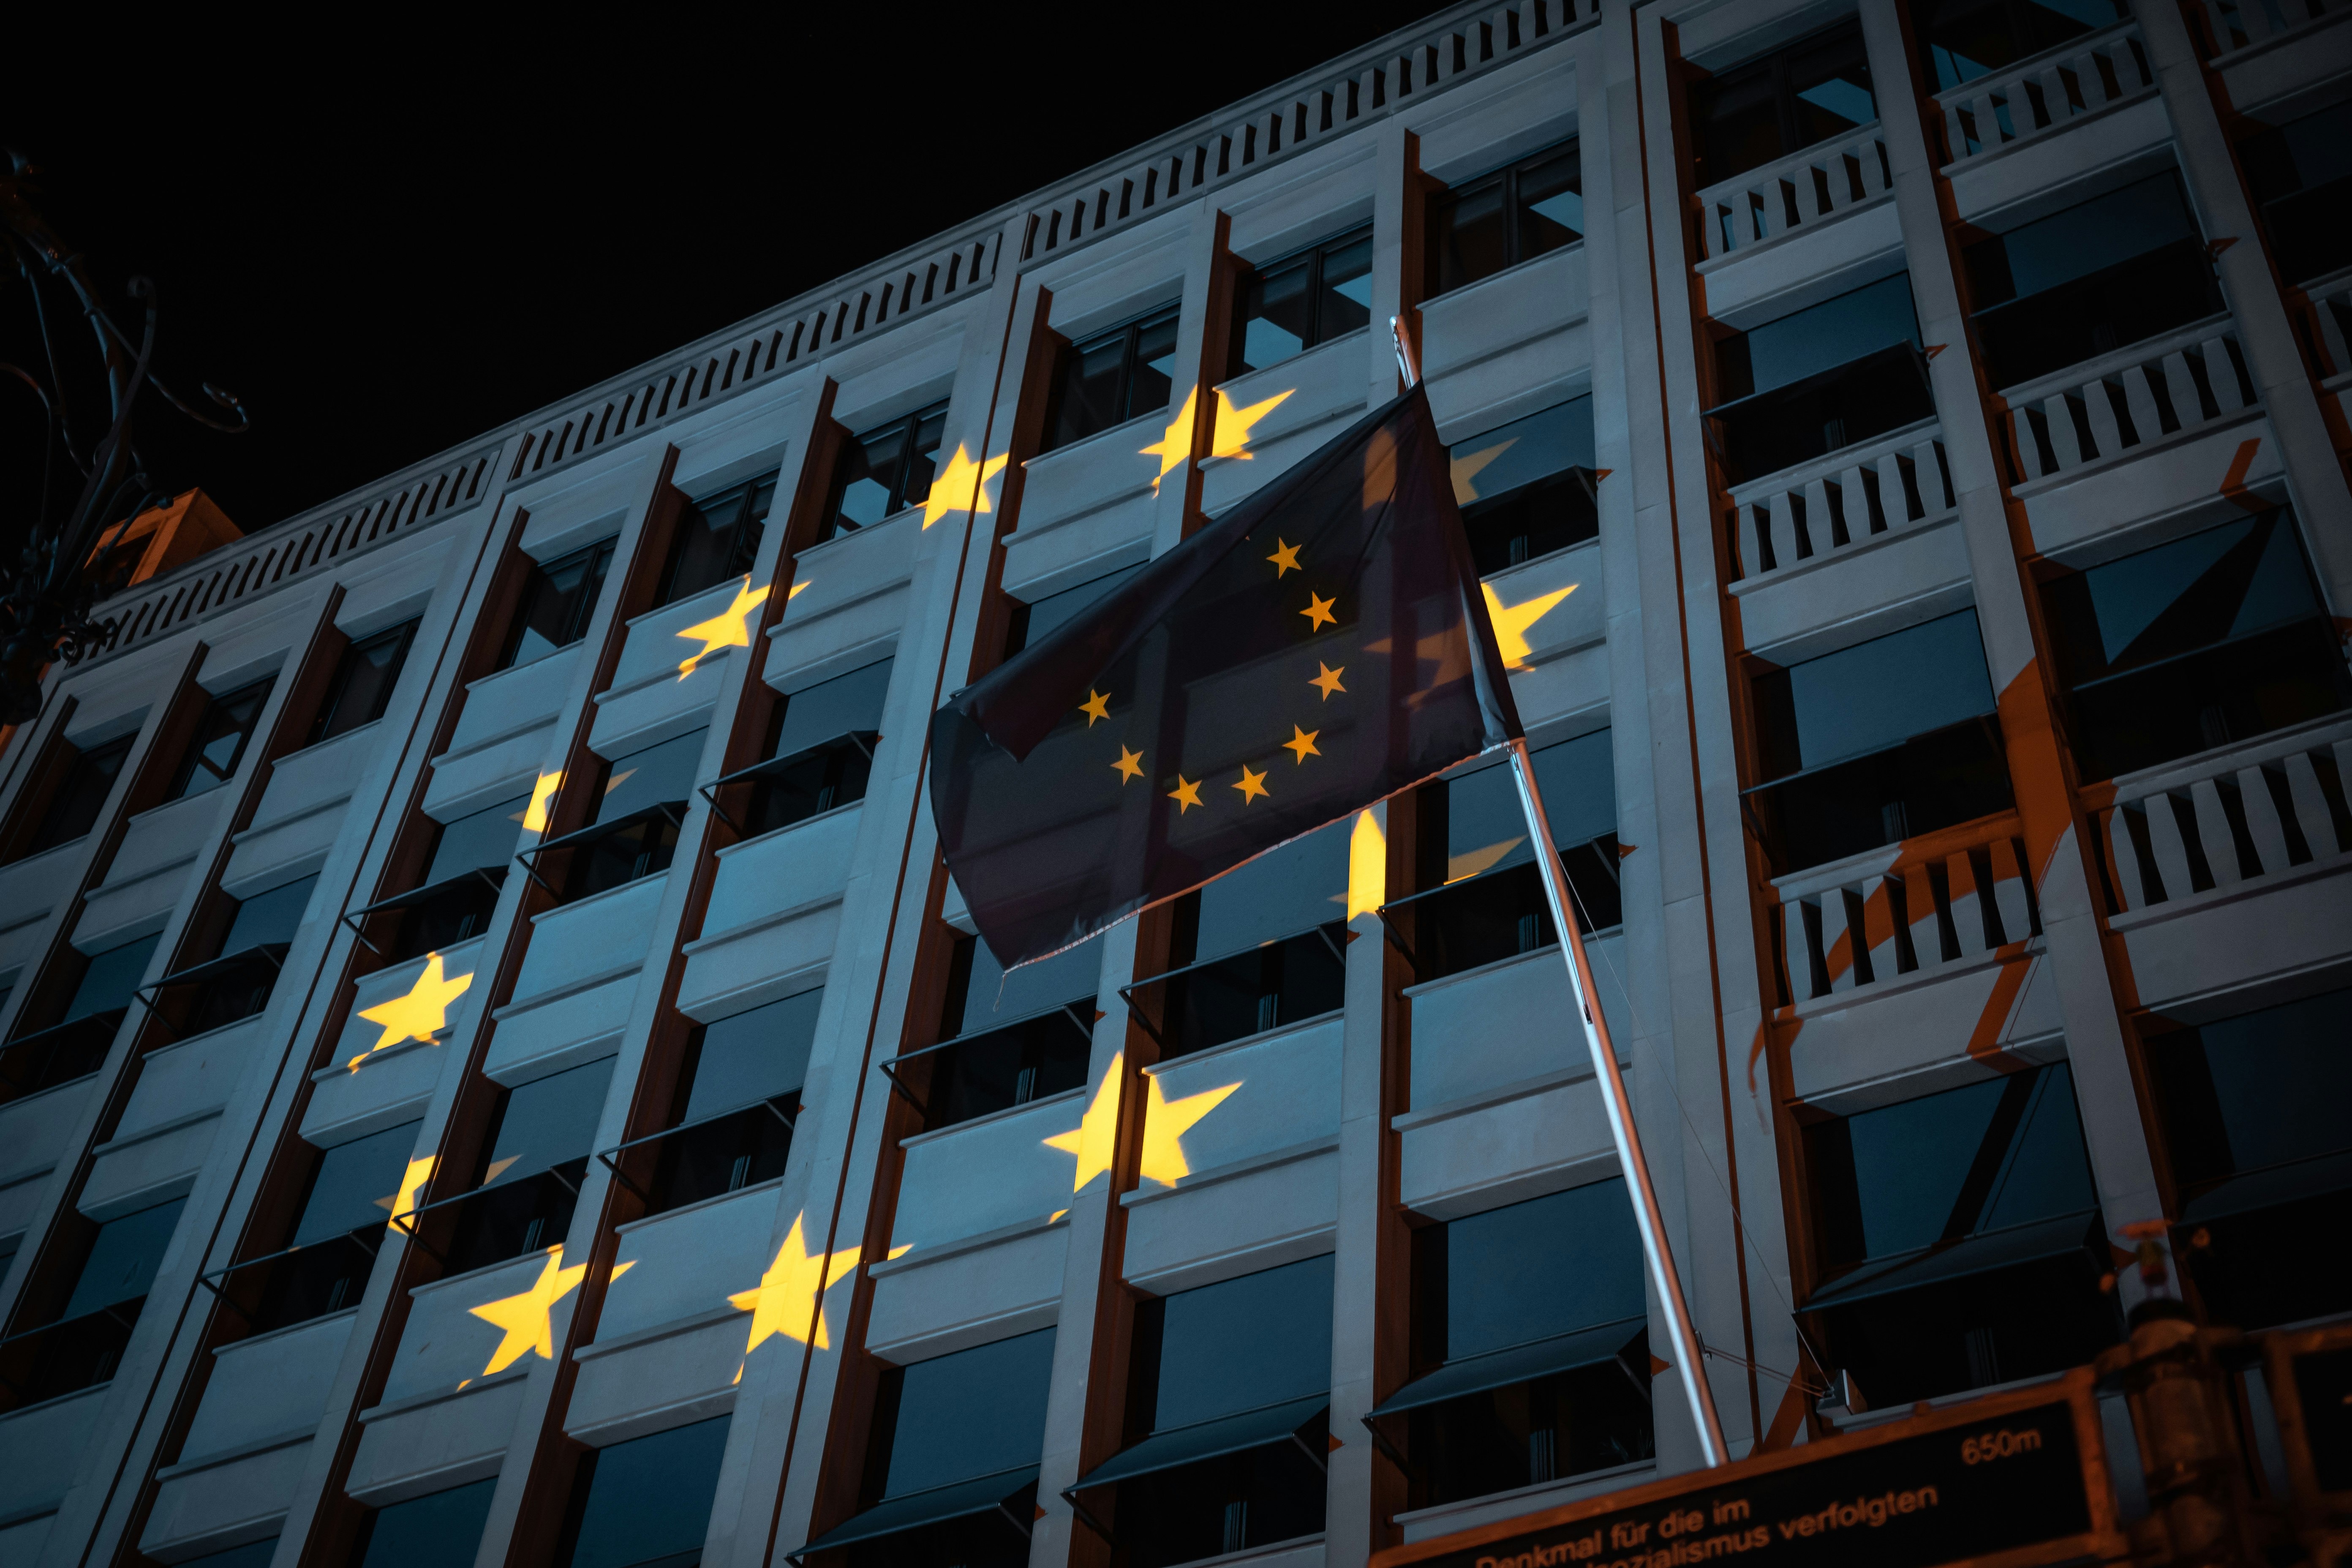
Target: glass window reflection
x=1290 y=306
x=885 y=470
x=1498 y=220
x=1113 y=377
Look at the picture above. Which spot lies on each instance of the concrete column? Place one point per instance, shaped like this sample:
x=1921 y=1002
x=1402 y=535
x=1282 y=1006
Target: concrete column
x=2076 y=946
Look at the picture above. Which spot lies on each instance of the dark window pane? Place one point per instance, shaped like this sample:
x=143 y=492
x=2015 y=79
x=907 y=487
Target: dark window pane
x=2301 y=176
x=1874 y=694
x=718 y=539
x=355 y=1184
x=1470 y=235
x=109 y=978
x=1346 y=300
x=1805 y=93
x=1526 y=488
x=1550 y=203
x=1541 y=1267
x=1242 y=1343
x=1494 y=906
x=123 y=1258
x=362 y=682
x=219 y=742
x=1828 y=79
x=1819 y=337
x=440 y=1527
x=1965 y=39
x=657 y=775
x=1819 y=379
x=647 y=1500
x=72 y=810
x=981 y=995
x=868 y=477
x=751 y=1056
x=253 y=1554
x=832 y=728
x=558 y=599
x=1735 y=120
x=923 y=455
x=1086 y=392
x=487 y=837
x=847 y=704
x=1020 y=1036
x=1032 y=622
x=546 y=1123
x=1593 y=1417
x=1277 y=315
x=1151 y=380
x=1235 y=1503
x=271 y=917
x=2193 y=644
x=972 y=1412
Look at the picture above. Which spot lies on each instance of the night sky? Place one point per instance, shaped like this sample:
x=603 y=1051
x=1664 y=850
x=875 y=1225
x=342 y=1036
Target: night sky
x=387 y=244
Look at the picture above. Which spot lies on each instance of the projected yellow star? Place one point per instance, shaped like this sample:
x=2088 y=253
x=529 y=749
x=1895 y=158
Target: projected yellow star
x=1175 y=443
x=1465 y=469
x=1368 y=866
x=1093 y=1139
x=1236 y=425
x=527 y=1318
x=1511 y=621
x=730 y=627
x=962 y=476
x=418 y=1015
x=412 y=1185
x=788 y=1294
x=1096 y=706
x=1253 y=784
x=1165 y=1123
x=534 y=816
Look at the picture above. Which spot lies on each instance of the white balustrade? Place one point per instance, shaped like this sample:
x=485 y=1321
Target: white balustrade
x=2330 y=322
x=1940 y=899
x=2132 y=398
x=1812 y=187
x=1841 y=499
x=2230 y=25
x=2044 y=93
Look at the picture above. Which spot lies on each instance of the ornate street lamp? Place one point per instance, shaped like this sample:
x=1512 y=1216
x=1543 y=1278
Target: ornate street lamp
x=46 y=594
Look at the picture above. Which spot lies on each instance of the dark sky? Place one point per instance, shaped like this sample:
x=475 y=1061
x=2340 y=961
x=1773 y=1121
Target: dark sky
x=389 y=244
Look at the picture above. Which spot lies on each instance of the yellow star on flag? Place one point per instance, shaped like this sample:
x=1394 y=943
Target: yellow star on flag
x=1253 y=784
x=412 y=1182
x=1233 y=424
x=1129 y=765
x=1186 y=795
x=1175 y=443
x=1328 y=681
x=1302 y=742
x=1285 y=558
x=730 y=627
x=418 y=1015
x=1096 y=706
x=1511 y=621
x=1319 y=613
x=527 y=1318
x=1165 y=1123
x=961 y=477
x=1096 y=1136
x=789 y=1293
x=534 y=816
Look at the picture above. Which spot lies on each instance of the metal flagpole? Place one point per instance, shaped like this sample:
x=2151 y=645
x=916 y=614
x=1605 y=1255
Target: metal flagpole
x=1604 y=1066
x=1621 y=1115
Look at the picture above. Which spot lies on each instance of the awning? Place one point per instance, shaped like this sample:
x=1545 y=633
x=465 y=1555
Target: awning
x=957 y=1500
x=1978 y=1254
x=2275 y=1184
x=1516 y=1363
x=1208 y=1440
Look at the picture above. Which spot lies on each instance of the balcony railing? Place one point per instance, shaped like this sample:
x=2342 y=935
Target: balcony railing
x=1810 y=188
x=1941 y=898
x=2044 y=93
x=2328 y=325
x=1850 y=497
x=2218 y=823
x=2225 y=26
x=2135 y=397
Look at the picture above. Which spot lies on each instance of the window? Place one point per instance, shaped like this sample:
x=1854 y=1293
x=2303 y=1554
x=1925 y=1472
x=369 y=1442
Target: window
x=1032 y=622
x=471 y=857
x=2083 y=282
x=885 y=470
x=439 y=1526
x=1516 y=213
x=85 y=779
x=1875 y=743
x=1287 y=307
x=1819 y=379
x=634 y=831
x=82 y=1345
x=1961 y=1238
x=75 y=1044
x=1112 y=378
x=2251 y=1110
x=2301 y=175
x=536 y=1150
x=645 y=1503
x=1007 y=1039
x=821 y=752
x=718 y=539
x=362 y=684
x=1965 y=39
x=738 y=1095
x=1486 y=900
x=1530 y=1346
x=219 y=742
x=1227 y=1411
x=1260 y=946
x=951 y=1478
x=1803 y=93
x=354 y=1190
x=2191 y=645
x=1526 y=488
x=558 y=598
x=252 y=1554
x=237 y=983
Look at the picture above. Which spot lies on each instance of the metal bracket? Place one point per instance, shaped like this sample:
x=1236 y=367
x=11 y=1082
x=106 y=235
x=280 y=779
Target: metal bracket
x=1086 y=1516
x=1126 y=994
x=1396 y=939
x=605 y=1157
x=902 y=1092
x=1381 y=1441
x=709 y=794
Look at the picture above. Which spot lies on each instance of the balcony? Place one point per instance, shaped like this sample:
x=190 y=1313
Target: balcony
x=2265 y=48
x=1495 y=339
x=40 y=1453
x=301 y=811
x=1799 y=194
x=370 y=1083
x=1090 y=504
x=1319 y=389
x=242 y=1463
x=774 y=911
x=571 y=998
x=28 y=891
x=2228 y=865
x=850 y=598
x=2325 y=321
x=653 y=696
x=149 y=872
x=167 y=1128
x=35 y=1129
x=503 y=733
x=2043 y=95
x=1260 y=1157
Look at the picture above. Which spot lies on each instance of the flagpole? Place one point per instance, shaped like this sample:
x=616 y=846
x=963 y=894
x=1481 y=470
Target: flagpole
x=1646 y=1216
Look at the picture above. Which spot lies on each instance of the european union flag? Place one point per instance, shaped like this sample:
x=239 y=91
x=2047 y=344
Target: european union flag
x=1319 y=647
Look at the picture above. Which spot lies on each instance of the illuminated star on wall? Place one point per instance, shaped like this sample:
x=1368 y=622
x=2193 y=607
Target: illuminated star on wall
x=1165 y=1123
x=1511 y=621
x=1368 y=866
x=412 y=1185
x=1465 y=469
x=788 y=1294
x=534 y=816
x=1234 y=424
x=527 y=1318
x=1175 y=443
x=961 y=477
x=1093 y=1140
x=418 y=1015
x=730 y=627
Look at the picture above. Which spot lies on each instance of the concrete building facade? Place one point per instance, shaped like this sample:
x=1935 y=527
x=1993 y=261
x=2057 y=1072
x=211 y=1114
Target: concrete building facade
x=495 y=1064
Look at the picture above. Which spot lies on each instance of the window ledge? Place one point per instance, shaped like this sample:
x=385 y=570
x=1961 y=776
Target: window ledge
x=391 y=1407
x=1517 y=1089
x=1444 y=302
x=1257 y=1553
x=1234 y=1170
x=625 y=1227
x=245 y=1450
x=830 y=812
x=1264 y=1037
x=2216 y=898
x=932 y=1135
x=668 y=1330
x=352 y=1311
x=1843 y=1423
x=918 y=1257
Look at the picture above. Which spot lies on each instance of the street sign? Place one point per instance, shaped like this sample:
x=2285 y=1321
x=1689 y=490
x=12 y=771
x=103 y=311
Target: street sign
x=2011 y=1479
